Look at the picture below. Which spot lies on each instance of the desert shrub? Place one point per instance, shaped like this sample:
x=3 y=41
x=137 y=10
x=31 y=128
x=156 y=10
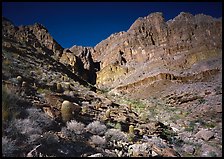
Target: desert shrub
x=98 y=141
x=9 y=104
x=8 y=147
x=76 y=127
x=96 y=128
x=33 y=126
x=49 y=138
x=115 y=134
x=42 y=120
x=69 y=134
x=28 y=128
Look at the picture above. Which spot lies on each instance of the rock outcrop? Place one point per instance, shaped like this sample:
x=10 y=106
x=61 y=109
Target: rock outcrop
x=152 y=45
x=80 y=60
x=35 y=35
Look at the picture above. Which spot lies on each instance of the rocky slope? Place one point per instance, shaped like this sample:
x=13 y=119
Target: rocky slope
x=161 y=91
x=79 y=61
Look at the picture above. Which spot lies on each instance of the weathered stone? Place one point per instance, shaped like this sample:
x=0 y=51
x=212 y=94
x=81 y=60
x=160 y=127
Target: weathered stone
x=156 y=47
x=189 y=148
x=36 y=35
x=204 y=134
x=138 y=150
x=209 y=151
x=96 y=155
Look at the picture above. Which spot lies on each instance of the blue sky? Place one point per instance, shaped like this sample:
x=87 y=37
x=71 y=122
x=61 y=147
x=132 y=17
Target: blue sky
x=88 y=23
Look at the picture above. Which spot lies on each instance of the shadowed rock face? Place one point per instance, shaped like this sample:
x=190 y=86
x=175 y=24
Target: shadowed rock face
x=151 y=45
x=79 y=59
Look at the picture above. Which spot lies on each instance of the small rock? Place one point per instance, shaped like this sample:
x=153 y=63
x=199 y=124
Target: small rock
x=169 y=152
x=154 y=154
x=209 y=151
x=24 y=84
x=204 y=134
x=137 y=150
x=188 y=148
x=96 y=155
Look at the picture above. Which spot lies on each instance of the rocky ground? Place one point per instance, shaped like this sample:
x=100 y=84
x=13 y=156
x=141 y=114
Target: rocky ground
x=50 y=109
x=34 y=125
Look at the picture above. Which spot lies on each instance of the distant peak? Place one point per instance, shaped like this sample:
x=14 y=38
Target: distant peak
x=155 y=14
x=39 y=26
x=184 y=15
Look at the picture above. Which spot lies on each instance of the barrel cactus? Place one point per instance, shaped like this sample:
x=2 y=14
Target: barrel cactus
x=19 y=80
x=67 y=86
x=59 y=88
x=131 y=129
x=107 y=114
x=66 y=111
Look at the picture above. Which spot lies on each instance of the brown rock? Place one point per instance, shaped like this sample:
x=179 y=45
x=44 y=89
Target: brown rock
x=156 y=47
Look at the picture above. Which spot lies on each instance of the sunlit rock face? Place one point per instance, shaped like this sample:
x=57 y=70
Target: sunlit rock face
x=181 y=46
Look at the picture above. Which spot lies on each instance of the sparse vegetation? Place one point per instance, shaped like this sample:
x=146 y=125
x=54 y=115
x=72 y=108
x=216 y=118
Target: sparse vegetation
x=115 y=134
x=104 y=90
x=96 y=128
x=190 y=126
x=118 y=126
x=10 y=110
x=168 y=135
x=8 y=147
x=98 y=141
x=76 y=127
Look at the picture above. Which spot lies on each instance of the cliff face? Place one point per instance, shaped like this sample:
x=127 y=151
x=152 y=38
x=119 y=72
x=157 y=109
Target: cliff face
x=152 y=46
x=35 y=35
x=78 y=59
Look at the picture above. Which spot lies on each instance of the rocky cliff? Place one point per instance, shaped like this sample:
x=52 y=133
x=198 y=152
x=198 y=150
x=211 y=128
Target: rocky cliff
x=78 y=59
x=180 y=46
x=35 y=35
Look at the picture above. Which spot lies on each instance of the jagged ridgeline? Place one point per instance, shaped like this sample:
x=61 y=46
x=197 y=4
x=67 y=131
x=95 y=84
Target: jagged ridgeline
x=153 y=90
